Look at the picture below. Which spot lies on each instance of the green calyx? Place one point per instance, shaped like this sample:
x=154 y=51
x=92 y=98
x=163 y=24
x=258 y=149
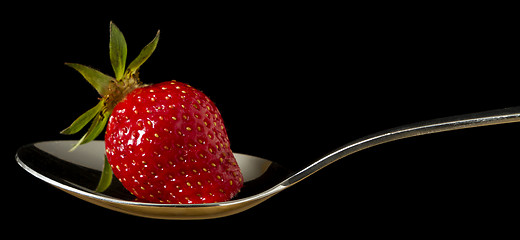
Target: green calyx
x=111 y=89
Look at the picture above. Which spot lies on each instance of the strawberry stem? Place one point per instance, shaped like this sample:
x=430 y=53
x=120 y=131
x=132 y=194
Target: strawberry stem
x=84 y=119
x=97 y=79
x=97 y=126
x=118 y=51
x=112 y=90
x=106 y=177
x=143 y=56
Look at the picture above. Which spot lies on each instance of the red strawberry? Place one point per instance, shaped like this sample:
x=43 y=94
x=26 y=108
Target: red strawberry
x=165 y=142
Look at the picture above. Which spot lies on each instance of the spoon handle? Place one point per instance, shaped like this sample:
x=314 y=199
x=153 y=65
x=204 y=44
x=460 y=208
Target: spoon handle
x=493 y=117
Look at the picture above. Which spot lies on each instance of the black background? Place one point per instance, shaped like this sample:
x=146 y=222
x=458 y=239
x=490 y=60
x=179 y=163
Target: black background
x=292 y=82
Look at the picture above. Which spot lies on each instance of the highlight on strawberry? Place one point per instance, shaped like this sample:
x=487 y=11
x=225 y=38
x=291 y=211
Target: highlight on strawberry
x=166 y=142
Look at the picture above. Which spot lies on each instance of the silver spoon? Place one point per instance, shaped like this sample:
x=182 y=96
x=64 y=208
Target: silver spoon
x=78 y=172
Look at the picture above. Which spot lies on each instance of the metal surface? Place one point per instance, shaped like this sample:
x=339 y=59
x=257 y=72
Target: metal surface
x=77 y=172
x=480 y=119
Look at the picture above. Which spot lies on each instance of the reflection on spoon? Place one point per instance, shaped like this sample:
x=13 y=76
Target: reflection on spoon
x=78 y=172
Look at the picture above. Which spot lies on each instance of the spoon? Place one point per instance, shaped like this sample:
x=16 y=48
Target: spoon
x=78 y=172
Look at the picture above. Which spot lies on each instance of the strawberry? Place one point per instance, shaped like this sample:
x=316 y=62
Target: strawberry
x=166 y=142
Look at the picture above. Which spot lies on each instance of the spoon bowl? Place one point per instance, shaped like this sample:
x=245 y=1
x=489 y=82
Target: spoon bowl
x=78 y=172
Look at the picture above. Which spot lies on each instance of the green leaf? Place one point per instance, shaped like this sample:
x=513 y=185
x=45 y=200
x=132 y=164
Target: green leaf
x=144 y=55
x=97 y=79
x=117 y=51
x=85 y=118
x=95 y=129
x=106 y=177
